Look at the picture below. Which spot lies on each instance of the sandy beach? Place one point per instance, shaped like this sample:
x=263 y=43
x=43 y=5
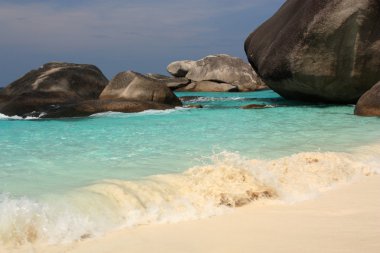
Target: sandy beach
x=345 y=219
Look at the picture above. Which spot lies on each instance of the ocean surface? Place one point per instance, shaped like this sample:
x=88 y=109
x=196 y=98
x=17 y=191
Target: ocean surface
x=69 y=179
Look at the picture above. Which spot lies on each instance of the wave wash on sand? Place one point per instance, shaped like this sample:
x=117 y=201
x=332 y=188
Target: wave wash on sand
x=229 y=181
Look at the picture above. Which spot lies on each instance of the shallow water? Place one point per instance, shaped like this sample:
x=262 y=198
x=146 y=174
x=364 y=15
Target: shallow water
x=69 y=168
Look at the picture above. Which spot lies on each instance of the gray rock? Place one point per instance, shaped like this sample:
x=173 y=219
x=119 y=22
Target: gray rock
x=209 y=86
x=53 y=83
x=369 y=103
x=326 y=50
x=131 y=85
x=218 y=68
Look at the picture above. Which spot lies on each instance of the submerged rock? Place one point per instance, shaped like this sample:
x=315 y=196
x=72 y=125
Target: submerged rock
x=255 y=106
x=319 y=50
x=131 y=85
x=218 y=69
x=194 y=106
x=369 y=103
x=53 y=83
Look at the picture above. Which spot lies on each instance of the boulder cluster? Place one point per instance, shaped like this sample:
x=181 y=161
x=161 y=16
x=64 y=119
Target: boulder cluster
x=58 y=90
x=76 y=90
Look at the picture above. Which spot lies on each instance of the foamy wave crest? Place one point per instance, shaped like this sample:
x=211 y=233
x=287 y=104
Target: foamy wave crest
x=229 y=181
x=5 y=117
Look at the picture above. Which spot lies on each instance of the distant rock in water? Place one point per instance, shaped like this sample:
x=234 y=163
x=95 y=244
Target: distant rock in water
x=194 y=106
x=369 y=103
x=53 y=83
x=221 y=70
x=319 y=50
x=131 y=85
x=256 y=106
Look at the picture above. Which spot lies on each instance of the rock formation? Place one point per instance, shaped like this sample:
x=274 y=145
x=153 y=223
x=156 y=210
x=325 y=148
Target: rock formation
x=73 y=90
x=222 y=70
x=327 y=50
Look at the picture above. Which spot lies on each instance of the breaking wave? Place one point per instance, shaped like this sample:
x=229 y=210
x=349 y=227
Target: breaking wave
x=5 y=117
x=229 y=181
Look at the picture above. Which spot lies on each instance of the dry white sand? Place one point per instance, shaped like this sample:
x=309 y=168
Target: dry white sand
x=346 y=219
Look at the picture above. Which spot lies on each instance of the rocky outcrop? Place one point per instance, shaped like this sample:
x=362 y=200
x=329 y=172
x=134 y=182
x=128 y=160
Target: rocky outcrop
x=131 y=85
x=52 y=84
x=209 y=86
x=221 y=70
x=319 y=50
x=369 y=103
x=73 y=90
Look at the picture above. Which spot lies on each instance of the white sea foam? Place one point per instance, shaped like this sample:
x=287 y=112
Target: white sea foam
x=147 y=112
x=212 y=99
x=105 y=114
x=5 y=117
x=228 y=181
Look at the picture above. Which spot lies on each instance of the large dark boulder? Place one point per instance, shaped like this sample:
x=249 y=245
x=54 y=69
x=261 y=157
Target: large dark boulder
x=52 y=84
x=319 y=50
x=369 y=103
x=218 y=69
x=89 y=107
x=131 y=85
x=76 y=80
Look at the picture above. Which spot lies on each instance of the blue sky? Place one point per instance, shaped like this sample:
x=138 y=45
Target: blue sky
x=116 y=35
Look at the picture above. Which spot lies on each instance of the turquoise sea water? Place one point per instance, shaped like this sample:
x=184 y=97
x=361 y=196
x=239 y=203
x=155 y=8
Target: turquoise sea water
x=43 y=160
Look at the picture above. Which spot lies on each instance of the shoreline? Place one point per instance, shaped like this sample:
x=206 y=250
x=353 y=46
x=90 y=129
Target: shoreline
x=344 y=219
